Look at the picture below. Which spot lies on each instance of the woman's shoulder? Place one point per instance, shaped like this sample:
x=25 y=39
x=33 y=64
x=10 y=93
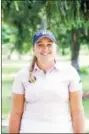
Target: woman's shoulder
x=23 y=71
x=65 y=66
x=67 y=69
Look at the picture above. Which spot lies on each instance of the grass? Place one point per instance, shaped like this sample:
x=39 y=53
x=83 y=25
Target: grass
x=84 y=74
x=6 y=88
x=10 y=70
x=4 y=130
x=85 y=82
x=86 y=107
x=7 y=85
x=6 y=98
x=6 y=109
x=6 y=106
x=11 y=67
x=7 y=81
x=84 y=70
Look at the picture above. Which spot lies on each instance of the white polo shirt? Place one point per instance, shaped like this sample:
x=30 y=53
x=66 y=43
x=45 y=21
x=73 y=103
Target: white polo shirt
x=47 y=100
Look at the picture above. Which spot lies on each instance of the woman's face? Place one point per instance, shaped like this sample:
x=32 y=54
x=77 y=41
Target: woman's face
x=45 y=50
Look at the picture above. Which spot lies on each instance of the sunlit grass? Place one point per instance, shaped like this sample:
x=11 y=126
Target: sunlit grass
x=6 y=105
x=10 y=70
x=8 y=81
x=84 y=74
x=85 y=82
x=4 y=130
x=6 y=88
x=6 y=94
x=86 y=107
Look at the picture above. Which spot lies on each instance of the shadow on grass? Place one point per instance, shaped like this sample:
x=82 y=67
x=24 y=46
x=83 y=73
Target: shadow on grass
x=4 y=130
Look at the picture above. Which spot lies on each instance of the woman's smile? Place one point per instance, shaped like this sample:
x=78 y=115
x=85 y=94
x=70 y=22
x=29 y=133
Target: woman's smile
x=44 y=54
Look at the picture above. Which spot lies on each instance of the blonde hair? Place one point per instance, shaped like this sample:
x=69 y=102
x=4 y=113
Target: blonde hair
x=32 y=78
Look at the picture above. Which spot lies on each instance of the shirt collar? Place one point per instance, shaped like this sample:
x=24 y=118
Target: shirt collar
x=55 y=67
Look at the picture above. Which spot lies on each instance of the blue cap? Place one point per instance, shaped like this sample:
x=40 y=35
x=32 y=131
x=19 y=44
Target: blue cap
x=43 y=33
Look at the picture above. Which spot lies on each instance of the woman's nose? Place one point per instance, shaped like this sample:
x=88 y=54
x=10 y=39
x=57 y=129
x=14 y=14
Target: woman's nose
x=45 y=48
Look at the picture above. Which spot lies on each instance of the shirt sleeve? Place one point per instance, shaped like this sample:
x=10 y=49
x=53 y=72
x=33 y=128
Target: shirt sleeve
x=75 y=83
x=18 y=86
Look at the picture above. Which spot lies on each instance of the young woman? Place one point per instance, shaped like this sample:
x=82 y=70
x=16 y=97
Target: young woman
x=47 y=95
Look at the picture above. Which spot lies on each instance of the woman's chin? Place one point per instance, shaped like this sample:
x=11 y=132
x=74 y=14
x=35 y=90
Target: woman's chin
x=46 y=60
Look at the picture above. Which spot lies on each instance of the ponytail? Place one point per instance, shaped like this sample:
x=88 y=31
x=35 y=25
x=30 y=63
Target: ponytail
x=32 y=78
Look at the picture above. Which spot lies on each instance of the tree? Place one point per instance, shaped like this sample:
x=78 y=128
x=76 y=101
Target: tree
x=26 y=19
x=74 y=17
x=62 y=17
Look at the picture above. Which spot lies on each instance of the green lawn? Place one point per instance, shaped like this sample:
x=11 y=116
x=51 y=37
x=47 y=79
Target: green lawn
x=86 y=107
x=6 y=92
x=10 y=70
x=84 y=74
x=4 y=130
x=85 y=82
x=13 y=66
x=7 y=81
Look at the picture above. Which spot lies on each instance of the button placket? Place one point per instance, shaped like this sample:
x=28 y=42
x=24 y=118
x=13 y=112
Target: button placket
x=45 y=81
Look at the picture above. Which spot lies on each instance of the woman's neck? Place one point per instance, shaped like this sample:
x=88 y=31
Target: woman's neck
x=45 y=66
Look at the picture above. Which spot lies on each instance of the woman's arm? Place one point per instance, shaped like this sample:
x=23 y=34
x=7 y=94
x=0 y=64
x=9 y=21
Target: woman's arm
x=16 y=112
x=77 y=111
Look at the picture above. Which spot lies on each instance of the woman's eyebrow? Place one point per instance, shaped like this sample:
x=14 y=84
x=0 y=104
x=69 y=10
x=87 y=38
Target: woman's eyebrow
x=50 y=41
x=38 y=42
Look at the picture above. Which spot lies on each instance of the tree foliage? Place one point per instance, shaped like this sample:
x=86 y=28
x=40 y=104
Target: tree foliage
x=67 y=19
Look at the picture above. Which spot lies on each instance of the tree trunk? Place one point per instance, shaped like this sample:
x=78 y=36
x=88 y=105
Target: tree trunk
x=19 y=56
x=63 y=51
x=48 y=14
x=9 y=55
x=75 y=47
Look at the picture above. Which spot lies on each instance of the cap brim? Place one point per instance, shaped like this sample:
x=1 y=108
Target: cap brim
x=43 y=37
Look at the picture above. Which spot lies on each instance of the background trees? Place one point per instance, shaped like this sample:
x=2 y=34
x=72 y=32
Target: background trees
x=67 y=19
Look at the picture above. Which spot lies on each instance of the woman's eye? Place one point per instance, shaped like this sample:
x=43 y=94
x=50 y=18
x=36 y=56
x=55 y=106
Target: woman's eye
x=39 y=45
x=49 y=45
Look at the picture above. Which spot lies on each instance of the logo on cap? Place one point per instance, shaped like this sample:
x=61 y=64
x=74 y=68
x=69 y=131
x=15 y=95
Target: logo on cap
x=44 y=32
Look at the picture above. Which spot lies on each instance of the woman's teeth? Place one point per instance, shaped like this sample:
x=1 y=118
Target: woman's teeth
x=45 y=54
